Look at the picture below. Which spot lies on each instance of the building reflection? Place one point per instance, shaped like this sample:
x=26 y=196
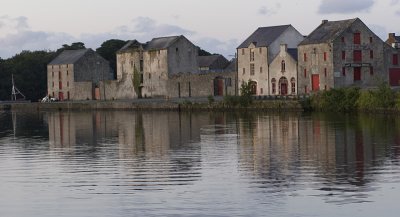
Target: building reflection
x=333 y=149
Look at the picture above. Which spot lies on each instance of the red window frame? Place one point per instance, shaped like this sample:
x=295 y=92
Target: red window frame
x=357 y=55
x=357 y=38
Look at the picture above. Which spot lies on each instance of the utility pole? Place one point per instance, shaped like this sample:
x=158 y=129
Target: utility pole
x=14 y=90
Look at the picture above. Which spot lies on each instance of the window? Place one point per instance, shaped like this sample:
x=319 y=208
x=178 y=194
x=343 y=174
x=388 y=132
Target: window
x=305 y=57
x=371 y=54
x=141 y=65
x=306 y=89
x=67 y=83
x=371 y=70
x=261 y=69
x=344 y=71
x=305 y=73
x=370 y=39
x=261 y=91
x=357 y=38
x=244 y=71
x=60 y=85
x=357 y=56
x=177 y=50
x=326 y=87
x=325 y=56
x=252 y=69
x=273 y=81
x=325 y=72
x=283 y=66
x=52 y=84
x=159 y=52
x=242 y=51
x=343 y=55
x=52 y=74
x=67 y=72
x=59 y=76
x=149 y=75
x=293 y=85
x=260 y=50
x=68 y=93
x=395 y=59
x=343 y=40
x=251 y=55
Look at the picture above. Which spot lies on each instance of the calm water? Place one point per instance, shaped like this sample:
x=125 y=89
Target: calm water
x=198 y=164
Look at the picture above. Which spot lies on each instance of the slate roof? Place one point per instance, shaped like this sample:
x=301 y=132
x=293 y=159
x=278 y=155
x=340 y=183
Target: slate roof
x=206 y=61
x=264 y=36
x=131 y=44
x=327 y=32
x=69 y=56
x=293 y=53
x=161 y=43
x=231 y=67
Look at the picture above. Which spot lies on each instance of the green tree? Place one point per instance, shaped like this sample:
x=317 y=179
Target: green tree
x=108 y=50
x=73 y=46
x=245 y=93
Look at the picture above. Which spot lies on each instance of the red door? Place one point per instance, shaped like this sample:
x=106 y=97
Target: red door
x=315 y=82
x=357 y=73
x=61 y=96
x=284 y=89
x=220 y=87
x=394 y=77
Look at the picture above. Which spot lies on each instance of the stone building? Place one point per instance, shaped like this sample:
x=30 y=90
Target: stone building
x=169 y=67
x=76 y=74
x=283 y=72
x=212 y=63
x=392 y=52
x=155 y=61
x=257 y=53
x=341 y=54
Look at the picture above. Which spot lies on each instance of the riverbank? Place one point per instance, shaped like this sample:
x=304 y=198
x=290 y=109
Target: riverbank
x=188 y=104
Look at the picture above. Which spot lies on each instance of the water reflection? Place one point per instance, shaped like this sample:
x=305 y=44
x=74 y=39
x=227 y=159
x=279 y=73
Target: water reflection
x=204 y=158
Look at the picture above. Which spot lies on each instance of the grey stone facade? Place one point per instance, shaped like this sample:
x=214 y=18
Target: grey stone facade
x=341 y=54
x=74 y=74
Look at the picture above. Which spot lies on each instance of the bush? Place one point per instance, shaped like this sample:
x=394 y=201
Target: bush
x=211 y=99
x=382 y=98
x=343 y=99
x=231 y=100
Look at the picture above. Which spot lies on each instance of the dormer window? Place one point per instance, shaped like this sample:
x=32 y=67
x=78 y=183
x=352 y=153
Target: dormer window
x=283 y=66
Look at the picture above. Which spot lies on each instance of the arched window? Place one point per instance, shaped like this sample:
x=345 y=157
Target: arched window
x=283 y=66
x=273 y=82
x=293 y=85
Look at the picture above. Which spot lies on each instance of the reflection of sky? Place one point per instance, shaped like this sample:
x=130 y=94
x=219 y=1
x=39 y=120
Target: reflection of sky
x=216 y=164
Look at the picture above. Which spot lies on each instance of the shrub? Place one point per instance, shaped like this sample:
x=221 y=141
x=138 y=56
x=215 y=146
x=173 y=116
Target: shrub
x=211 y=99
x=342 y=99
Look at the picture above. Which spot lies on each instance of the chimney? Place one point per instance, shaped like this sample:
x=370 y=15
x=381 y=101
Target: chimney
x=392 y=35
x=324 y=21
x=283 y=48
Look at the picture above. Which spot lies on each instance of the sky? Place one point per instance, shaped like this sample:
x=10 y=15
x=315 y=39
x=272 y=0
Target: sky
x=218 y=26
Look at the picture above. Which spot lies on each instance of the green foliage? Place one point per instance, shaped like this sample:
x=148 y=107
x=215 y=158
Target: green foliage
x=343 y=99
x=211 y=99
x=245 y=94
x=108 y=50
x=136 y=82
x=231 y=101
x=382 y=98
x=73 y=46
x=30 y=74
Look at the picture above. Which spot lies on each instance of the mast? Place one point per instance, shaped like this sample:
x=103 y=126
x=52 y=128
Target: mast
x=15 y=91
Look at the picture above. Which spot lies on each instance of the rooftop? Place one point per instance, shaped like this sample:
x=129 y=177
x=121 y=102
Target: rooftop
x=264 y=36
x=69 y=56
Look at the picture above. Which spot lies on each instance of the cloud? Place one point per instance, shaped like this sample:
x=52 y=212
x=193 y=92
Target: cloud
x=394 y=2
x=345 y=6
x=269 y=11
x=20 y=36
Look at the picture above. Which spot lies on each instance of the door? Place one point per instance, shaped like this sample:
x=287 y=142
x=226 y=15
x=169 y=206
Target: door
x=394 y=77
x=61 y=96
x=357 y=73
x=284 y=89
x=315 y=82
x=218 y=87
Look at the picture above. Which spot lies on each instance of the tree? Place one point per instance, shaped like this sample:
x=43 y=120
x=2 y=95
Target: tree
x=73 y=46
x=108 y=50
x=30 y=74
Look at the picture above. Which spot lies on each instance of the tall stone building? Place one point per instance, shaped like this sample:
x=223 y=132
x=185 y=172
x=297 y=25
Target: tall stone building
x=154 y=61
x=256 y=57
x=341 y=54
x=76 y=74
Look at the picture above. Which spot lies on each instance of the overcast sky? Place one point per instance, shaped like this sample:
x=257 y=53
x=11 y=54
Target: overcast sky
x=218 y=26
